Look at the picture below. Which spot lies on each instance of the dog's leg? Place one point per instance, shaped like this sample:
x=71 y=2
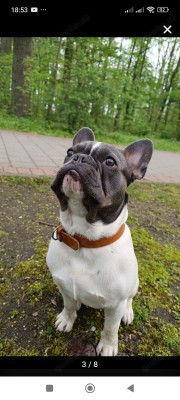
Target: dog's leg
x=108 y=345
x=78 y=305
x=65 y=320
x=129 y=314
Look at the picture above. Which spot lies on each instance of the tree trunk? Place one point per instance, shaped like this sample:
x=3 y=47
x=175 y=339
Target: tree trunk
x=6 y=45
x=20 y=103
x=66 y=82
x=53 y=81
x=97 y=110
x=5 y=72
x=166 y=93
x=137 y=88
x=159 y=83
x=136 y=78
x=120 y=105
x=68 y=58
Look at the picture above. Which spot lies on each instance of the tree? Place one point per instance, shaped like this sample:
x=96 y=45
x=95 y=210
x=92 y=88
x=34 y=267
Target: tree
x=5 y=71
x=22 y=51
x=110 y=84
x=52 y=87
x=6 y=45
x=165 y=96
x=138 y=67
x=126 y=81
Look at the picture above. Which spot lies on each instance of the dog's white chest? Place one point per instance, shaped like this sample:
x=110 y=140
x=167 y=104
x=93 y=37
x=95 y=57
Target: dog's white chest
x=74 y=275
x=95 y=277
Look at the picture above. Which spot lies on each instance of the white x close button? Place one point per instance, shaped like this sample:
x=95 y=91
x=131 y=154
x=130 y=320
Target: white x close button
x=167 y=29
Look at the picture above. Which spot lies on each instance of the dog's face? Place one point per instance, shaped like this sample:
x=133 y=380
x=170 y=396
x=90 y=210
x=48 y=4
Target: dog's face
x=99 y=173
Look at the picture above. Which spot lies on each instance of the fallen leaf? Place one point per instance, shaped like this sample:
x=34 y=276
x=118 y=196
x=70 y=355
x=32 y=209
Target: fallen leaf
x=34 y=314
x=53 y=301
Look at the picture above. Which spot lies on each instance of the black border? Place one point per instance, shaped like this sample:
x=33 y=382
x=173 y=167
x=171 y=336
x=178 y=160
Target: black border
x=68 y=20
x=72 y=366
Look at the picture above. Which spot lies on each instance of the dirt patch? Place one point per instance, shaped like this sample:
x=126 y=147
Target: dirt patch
x=30 y=300
x=23 y=208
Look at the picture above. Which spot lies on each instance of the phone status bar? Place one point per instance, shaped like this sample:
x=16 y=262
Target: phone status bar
x=26 y=10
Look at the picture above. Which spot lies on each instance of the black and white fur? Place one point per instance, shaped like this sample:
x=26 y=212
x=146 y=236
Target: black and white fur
x=91 y=188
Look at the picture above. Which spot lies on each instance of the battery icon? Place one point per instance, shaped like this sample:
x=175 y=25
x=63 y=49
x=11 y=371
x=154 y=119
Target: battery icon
x=162 y=9
x=34 y=9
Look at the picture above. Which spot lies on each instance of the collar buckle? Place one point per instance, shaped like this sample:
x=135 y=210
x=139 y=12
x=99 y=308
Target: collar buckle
x=62 y=236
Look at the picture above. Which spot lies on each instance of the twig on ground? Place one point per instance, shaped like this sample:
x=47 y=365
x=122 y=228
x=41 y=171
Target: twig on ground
x=43 y=223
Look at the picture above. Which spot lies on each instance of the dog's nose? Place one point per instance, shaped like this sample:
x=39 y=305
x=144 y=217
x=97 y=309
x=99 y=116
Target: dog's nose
x=79 y=158
x=84 y=159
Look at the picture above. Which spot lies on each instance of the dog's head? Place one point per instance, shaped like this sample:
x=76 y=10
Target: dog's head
x=99 y=173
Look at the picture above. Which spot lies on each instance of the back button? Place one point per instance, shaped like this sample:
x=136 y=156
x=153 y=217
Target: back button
x=131 y=388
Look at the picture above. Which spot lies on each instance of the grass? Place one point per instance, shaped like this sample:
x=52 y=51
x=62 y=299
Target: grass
x=30 y=299
x=32 y=125
x=123 y=138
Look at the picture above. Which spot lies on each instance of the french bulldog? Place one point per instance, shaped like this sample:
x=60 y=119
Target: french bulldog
x=91 y=188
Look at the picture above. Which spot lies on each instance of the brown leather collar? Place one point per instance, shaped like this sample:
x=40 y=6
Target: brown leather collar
x=78 y=241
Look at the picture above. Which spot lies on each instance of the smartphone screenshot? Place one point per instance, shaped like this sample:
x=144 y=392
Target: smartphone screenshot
x=89 y=189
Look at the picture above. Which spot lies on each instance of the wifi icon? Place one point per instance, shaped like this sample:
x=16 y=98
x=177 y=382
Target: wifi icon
x=150 y=9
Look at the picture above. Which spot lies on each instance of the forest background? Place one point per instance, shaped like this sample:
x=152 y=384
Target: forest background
x=119 y=87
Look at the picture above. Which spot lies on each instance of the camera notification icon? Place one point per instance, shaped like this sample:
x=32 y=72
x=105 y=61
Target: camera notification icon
x=34 y=9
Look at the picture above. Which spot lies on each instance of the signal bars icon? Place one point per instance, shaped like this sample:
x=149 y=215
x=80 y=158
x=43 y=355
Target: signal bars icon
x=131 y=10
x=141 y=10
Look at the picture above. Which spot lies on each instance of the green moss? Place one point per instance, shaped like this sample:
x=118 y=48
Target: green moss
x=132 y=221
x=38 y=182
x=57 y=347
x=11 y=348
x=31 y=300
x=156 y=303
x=2 y=233
x=159 y=340
x=141 y=312
x=164 y=193
x=35 y=277
x=14 y=313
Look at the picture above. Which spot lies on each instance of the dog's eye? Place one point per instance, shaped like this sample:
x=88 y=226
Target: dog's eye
x=110 y=161
x=70 y=153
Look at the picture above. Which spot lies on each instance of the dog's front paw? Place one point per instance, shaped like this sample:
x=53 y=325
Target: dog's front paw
x=64 y=321
x=128 y=316
x=107 y=347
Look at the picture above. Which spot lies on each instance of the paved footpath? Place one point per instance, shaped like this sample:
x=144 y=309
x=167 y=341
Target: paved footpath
x=28 y=154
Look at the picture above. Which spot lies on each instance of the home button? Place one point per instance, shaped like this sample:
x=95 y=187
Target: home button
x=90 y=388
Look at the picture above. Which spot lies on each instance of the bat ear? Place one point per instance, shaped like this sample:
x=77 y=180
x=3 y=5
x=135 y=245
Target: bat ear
x=83 y=135
x=138 y=155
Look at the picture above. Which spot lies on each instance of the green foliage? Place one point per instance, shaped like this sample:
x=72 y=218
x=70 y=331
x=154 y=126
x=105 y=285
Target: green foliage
x=5 y=81
x=128 y=85
x=14 y=313
x=118 y=137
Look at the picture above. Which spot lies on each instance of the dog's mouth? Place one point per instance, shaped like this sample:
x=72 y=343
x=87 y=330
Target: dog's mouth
x=78 y=181
x=74 y=175
x=71 y=184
